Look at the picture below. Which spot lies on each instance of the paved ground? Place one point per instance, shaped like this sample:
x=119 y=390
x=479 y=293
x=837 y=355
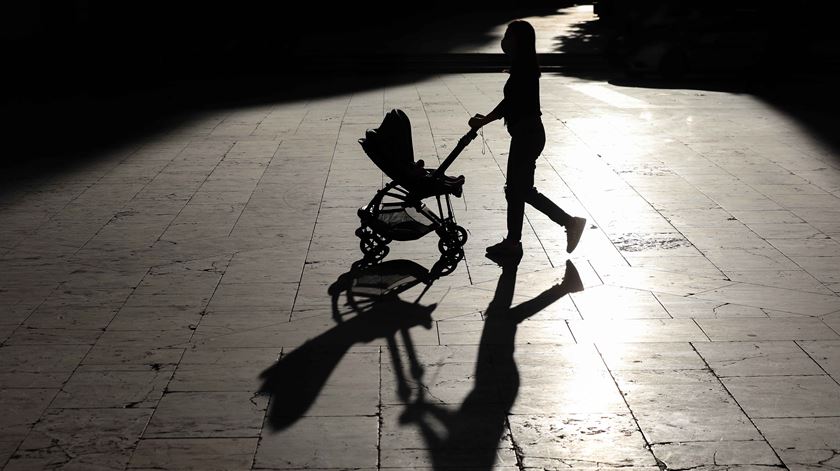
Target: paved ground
x=147 y=294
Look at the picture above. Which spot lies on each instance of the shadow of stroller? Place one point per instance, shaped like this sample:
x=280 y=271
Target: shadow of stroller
x=374 y=311
x=470 y=435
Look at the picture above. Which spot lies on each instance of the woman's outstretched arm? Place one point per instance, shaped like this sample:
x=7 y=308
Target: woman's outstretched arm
x=479 y=120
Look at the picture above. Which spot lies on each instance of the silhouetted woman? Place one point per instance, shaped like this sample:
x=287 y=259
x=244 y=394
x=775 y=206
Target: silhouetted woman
x=520 y=109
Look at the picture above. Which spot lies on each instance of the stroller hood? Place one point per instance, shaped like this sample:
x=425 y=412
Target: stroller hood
x=390 y=146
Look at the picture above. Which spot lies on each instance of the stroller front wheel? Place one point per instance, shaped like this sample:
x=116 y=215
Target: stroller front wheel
x=373 y=248
x=455 y=233
x=459 y=234
x=448 y=246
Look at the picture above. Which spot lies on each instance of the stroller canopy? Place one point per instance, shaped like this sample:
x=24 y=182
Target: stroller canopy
x=390 y=147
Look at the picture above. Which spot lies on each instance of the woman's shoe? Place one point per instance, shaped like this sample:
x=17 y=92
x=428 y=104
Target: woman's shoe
x=574 y=230
x=505 y=248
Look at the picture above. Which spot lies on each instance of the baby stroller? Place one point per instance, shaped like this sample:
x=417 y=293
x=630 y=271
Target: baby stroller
x=397 y=211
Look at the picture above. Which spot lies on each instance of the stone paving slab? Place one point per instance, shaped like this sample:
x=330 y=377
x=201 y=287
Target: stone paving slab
x=181 y=303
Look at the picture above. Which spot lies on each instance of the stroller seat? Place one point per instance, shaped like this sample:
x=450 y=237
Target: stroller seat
x=390 y=148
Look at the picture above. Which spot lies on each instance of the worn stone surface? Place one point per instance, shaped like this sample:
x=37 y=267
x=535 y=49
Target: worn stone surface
x=715 y=454
x=757 y=359
x=585 y=441
x=186 y=300
x=96 y=439
x=786 y=396
x=207 y=414
x=199 y=454
x=804 y=442
x=320 y=442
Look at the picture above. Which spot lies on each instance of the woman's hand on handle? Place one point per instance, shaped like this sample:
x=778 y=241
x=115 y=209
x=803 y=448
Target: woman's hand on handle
x=480 y=120
x=477 y=121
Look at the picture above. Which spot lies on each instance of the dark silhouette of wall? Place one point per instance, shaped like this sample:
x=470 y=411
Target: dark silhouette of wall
x=108 y=72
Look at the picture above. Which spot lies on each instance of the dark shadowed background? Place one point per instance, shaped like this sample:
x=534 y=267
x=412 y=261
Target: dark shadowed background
x=86 y=74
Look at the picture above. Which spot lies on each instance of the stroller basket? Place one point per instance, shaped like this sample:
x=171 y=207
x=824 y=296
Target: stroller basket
x=397 y=211
x=403 y=223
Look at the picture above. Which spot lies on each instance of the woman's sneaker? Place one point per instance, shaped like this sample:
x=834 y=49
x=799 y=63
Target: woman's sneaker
x=574 y=229
x=505 y=248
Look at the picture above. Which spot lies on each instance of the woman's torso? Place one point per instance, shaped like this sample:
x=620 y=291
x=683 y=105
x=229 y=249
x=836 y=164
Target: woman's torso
x=522 y=101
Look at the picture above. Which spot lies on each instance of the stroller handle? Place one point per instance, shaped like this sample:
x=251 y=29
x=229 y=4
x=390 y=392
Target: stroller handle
x=462 y=142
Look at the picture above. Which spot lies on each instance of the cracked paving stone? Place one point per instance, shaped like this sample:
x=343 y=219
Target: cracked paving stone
x=713 y=455
x=786 y=396
x=99 y=387
x=320 y=442
x=684 y=405
x=804 y=443
x=205 y=454
x=207 y=414
x=580 y=441
x=90 y=439
x=782 y=358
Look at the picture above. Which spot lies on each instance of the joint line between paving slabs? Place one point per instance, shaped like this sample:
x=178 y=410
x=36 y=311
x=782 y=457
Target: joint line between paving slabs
x=573 y=191
x=632 y=414
x=758 y=190
x=437 y=155
x=233 y=143
x=380 y=420
x=815 y=361
x=132 y=198
x=280 y=357
x=183 y=352
x=58 y=391
x=251 y=196
x=517 y=450
x=320 y=205
x=694 y=319
x=53 y=290
x=303 y=118
x=723 y=385
x=78 y=195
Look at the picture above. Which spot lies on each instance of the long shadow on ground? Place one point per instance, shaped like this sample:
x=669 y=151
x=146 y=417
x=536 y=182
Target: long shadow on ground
x=366 y=307
x=470 y=435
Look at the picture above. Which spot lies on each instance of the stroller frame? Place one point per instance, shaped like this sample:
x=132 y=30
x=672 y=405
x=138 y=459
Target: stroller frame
x=377 y=217
x=375 y=235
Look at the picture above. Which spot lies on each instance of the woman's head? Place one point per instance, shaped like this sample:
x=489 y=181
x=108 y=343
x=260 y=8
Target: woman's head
x=519 y=43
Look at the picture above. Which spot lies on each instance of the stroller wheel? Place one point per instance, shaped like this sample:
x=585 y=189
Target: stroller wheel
x=365 y=232
x=448 y=246
x=454 y=232
x=459 y=234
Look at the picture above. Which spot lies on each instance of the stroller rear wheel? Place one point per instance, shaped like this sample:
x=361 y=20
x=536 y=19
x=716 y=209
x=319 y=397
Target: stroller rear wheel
x=459 y=234
x=449 y=246
x=365 y=232
x=452 y=238
x=373 y=246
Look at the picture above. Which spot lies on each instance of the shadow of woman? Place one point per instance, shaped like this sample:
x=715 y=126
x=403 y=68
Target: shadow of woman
x=375 y=311
x=470 y=436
